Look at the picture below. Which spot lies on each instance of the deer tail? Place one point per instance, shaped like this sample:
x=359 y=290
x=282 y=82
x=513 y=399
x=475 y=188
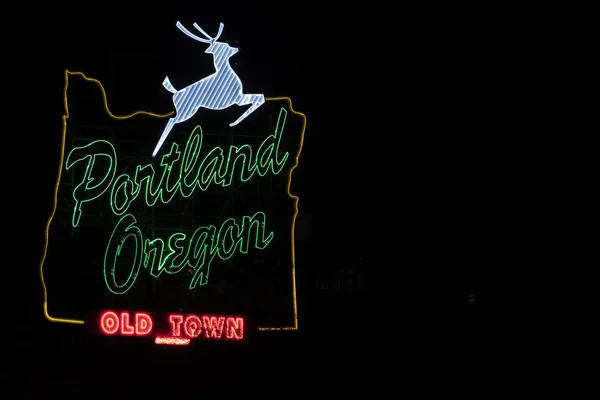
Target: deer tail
x=168 y=86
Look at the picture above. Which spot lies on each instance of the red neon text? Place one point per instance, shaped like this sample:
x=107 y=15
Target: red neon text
x=166 y=326
x=210 y=327
x=112 y=323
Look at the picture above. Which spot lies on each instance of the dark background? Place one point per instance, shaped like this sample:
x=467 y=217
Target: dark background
x=404 y=127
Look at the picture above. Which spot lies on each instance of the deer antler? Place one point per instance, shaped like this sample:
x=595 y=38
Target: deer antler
x=205 y=34
x=190 y=34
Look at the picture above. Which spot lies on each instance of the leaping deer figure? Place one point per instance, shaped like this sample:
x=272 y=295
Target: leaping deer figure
x=216 y=92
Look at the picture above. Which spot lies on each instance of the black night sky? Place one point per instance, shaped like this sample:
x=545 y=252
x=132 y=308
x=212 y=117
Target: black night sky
x=393 y=109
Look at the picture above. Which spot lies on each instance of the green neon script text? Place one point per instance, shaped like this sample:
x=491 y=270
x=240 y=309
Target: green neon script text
x=181 y=172
x=181 y=251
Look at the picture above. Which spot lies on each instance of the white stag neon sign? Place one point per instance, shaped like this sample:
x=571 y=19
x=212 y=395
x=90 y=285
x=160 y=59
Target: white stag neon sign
x=216 y=92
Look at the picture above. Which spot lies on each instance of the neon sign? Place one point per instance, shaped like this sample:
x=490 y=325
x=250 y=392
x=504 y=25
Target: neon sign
x=170 y=328
x=129 y=246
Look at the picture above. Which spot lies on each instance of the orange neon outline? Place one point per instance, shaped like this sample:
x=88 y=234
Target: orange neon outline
x=60 y=166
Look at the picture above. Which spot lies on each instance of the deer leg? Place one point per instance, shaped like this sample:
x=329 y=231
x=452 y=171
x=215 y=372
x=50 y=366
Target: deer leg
x=164 y=135
x=255 y=99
